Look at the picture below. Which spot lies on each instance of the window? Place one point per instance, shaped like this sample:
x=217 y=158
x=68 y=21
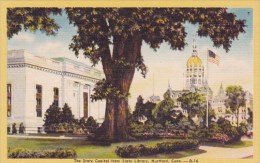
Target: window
x=85 y=104
x=9 y=99
x=56 y=96
x=38 y=88
x=39 y=100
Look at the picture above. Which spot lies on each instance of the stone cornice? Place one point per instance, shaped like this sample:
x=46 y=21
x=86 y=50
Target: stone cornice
x=64 y=73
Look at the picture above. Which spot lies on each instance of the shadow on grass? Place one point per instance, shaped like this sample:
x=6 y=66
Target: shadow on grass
x=239 y=144
x=179 y=154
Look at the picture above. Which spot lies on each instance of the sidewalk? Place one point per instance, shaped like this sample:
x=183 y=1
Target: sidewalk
x=63 y=137
x=219 y=152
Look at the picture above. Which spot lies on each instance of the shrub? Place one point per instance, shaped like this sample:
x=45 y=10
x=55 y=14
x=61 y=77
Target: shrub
x=131 y=151
x=26 y=153
x=14 y=130
x=21 y=128
x=64 y=128
x=91 y=124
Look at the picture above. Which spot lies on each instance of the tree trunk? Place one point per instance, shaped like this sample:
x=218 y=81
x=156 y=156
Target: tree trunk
x=237 y=118
x=107 y=130
x=115 y=127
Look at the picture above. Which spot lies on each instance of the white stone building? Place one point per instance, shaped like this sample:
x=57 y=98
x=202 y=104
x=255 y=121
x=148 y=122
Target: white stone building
x=218 y=105
x=35 y=82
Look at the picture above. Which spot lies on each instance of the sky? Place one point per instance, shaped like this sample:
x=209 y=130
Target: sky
x=164 y=65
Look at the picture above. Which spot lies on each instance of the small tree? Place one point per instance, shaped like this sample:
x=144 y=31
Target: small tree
x=228 y=129
x=91 y=124
x=235 y=99
x=21 y=128
x=193 y=102
x=138 y=112
x=57 y=119
x=143 y=109
x=148 y=107
x=250 y=114
x=14 y=130
x=163 y=110
x=52 y=116
x=66 y=114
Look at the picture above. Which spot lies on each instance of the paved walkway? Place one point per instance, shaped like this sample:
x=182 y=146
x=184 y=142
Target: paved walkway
x=219 y=152
x=46 y=137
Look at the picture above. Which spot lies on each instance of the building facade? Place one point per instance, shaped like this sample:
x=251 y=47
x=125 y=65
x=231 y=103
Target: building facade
x=35 y=83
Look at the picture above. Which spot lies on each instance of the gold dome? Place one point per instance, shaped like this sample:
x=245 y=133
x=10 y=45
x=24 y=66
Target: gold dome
x=194 y=59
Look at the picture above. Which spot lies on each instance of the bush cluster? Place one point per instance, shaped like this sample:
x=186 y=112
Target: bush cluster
x=61 y=120
x=27 y=153
x=131 y=151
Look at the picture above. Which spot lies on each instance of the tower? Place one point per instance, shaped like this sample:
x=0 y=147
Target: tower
x=194 y=69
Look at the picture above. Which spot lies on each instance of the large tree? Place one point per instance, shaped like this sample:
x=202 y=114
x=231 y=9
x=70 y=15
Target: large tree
x=124 y=30
x=235 y=100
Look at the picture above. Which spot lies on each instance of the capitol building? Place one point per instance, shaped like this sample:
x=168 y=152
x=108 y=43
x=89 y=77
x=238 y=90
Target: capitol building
x=195 y=80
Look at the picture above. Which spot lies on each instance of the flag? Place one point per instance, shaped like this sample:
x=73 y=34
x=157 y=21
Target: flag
x=212 y=57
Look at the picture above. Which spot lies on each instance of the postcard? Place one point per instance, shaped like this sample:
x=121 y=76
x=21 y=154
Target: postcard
x=127 y=82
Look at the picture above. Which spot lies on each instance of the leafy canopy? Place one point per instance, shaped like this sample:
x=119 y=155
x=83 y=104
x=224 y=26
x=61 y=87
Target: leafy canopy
x=193 y=102
x=98 y=27
x=31 y=19
x=235 y=97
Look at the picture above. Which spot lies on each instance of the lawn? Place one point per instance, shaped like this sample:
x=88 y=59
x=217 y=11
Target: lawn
x=240 y=144
x=86 y=149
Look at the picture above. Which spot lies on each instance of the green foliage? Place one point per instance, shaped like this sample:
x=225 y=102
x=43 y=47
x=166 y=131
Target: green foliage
x=52 y=116
x=14 y=130
x=27 y=153
x=235 y=99
x=58 y=120
x=211 y=115
x=185 y=126
x=250 y=114
x=136 y=129
x=66 y=114
x=104 y=89
x=131 y=151
x=91 y=124
x=31 y=19
x=21 y=128
x=242 y=129
x=163 y=110
x=193 y=102
x=143 y=109
x=139 y=112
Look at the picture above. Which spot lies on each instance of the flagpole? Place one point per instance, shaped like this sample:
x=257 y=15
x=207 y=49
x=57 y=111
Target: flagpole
x=207 y=111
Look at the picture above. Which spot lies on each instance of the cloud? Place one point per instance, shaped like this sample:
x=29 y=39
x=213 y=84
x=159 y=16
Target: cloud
x=24 y=37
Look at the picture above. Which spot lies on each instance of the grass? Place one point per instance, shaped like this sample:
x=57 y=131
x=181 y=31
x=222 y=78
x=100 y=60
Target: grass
x=240 y=144
x=176 y=155
x=86 y=149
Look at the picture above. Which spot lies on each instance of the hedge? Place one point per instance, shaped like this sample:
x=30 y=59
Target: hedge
x=27 y=153
x=131 y=151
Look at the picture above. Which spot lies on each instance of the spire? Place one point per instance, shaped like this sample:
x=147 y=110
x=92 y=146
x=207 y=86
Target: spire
x=221 y=90
x=194 y=46
x=169 y=86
